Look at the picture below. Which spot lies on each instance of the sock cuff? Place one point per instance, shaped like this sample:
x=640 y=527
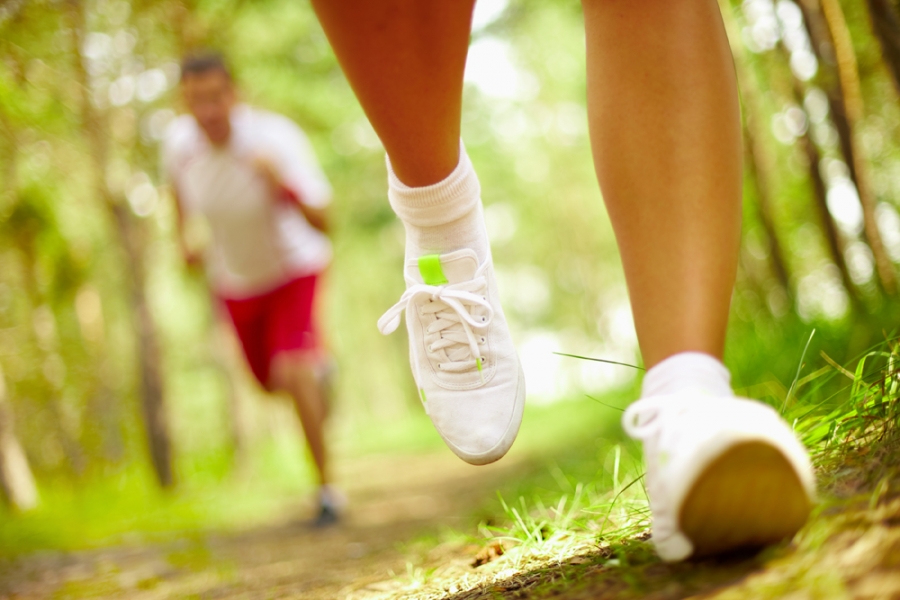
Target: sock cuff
x=693 y=372
x=443 y=202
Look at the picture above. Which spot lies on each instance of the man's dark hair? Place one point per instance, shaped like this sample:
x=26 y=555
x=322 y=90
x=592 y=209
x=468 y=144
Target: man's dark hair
x=199 y=63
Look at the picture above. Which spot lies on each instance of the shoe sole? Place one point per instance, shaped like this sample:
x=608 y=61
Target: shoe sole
x=747 y=498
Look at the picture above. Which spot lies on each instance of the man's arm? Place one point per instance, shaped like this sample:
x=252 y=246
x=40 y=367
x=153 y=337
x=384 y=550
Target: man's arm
x=317 y=217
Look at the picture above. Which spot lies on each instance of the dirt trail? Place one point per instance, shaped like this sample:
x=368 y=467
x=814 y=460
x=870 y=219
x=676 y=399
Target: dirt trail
x=391 y=499
x=851 y=549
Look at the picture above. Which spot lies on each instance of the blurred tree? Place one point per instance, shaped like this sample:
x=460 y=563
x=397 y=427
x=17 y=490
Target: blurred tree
x=848 y=74
x=16 y=480
x=886 y=26
x=131 y=240
x=832 y=44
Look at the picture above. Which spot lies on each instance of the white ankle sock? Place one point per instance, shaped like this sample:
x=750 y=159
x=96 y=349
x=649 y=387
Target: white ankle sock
x=692 y=372
x=444 y=216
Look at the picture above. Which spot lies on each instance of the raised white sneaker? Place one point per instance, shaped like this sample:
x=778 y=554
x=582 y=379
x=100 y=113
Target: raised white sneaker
x=722 y=473
x=462 y=357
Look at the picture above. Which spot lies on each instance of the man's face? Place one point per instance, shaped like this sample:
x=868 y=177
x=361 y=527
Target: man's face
x=209 y=96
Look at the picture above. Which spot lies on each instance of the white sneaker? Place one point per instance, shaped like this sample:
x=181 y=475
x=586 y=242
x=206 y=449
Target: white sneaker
x=461 y=353
x=722 y=473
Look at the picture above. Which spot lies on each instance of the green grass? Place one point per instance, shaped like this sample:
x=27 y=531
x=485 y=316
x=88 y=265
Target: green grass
x=591 y=529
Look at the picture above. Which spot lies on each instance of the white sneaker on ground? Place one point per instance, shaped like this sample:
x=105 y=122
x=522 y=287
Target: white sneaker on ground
x=461 y=353
x=723 y=473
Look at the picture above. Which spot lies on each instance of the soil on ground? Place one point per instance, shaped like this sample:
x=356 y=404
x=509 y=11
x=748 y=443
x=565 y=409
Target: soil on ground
x=851 y=549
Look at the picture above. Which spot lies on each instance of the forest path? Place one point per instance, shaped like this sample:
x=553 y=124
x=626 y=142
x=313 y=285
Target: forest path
x=391 y=499
x=389 y=546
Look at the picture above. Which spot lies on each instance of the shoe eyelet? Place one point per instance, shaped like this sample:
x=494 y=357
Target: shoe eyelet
x=483 y=340
x=440 y=366
x=483 y=319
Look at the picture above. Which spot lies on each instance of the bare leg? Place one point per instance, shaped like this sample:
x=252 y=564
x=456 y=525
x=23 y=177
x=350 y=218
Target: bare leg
x=664 y=125
x=405 y=61
x=296 y=374
x=665 y=130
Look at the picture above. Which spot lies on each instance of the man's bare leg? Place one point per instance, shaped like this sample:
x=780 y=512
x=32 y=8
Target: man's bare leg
x=296 y=374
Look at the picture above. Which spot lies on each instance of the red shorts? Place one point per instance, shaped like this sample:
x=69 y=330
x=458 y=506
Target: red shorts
x=274 y=322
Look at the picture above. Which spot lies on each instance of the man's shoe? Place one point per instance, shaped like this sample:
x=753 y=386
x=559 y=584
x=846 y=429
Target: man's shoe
x=461 y=353
x=326 y=517
x=723 y=473
x=331 y=504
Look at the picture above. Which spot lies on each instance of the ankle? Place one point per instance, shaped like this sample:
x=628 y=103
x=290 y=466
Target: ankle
x=448 y=200
x=442 y=217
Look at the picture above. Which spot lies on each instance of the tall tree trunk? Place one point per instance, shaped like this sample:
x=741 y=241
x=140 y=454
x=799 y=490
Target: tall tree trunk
x=886 y=26
x=759 y=168
x=151 y=380
x=835 y=241
x=828 y=30
x=837 y=244
x=131 y=242
x=16 y=480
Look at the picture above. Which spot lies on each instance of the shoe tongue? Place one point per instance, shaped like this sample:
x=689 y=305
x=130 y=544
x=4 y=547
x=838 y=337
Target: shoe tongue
x=443 y=269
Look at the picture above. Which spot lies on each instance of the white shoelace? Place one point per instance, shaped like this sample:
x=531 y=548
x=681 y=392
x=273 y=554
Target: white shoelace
x=452 y=305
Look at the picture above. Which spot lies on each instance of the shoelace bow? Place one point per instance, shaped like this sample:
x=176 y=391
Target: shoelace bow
x=452 y=305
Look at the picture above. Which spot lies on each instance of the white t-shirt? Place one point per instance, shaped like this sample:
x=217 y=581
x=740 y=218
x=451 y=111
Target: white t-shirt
x=258 y=242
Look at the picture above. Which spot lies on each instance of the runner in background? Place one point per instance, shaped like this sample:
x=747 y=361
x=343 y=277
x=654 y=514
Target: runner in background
x=252 y=177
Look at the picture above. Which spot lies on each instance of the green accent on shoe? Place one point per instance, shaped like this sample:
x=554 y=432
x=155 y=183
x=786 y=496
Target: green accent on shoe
x=422 y=393
x=430 y=268
x=478 y=364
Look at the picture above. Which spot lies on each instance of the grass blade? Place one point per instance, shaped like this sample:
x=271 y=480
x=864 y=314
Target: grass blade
x=603 y=360
x=799 y=368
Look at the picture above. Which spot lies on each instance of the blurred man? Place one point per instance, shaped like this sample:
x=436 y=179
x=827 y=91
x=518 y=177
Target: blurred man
x=253 y=178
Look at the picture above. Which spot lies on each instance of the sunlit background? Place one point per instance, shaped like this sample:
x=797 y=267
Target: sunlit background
x=99 y=320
